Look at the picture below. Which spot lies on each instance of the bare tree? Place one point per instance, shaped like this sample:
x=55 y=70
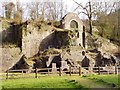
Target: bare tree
x=18 y=12
x=95 y=9
x=9 y=9
x=34 y=9
x=87 y=11
x=51 y=11
x=55 y=10
x=62 y=9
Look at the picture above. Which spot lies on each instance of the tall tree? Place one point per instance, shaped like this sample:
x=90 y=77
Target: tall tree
x=18 y=12
x=34 y=9
x=106 y=19
x=88 y=11
x=9 y=9
x=55 y=9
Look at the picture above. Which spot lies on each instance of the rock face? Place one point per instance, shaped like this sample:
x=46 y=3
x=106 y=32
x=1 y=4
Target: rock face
x=33 y=40
x=9 y=57
x=101 y=44
x=0 y=32
x=0 y=59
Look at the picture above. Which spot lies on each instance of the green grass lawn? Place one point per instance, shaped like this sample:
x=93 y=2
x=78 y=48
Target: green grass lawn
x=84 y=82
x=41 y=82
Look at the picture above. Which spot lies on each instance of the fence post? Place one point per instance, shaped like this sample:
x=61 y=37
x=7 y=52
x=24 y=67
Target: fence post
x=60 y=72
x=70 y=70
x=7 y=74
x=116 y=70
x=48 y=71
x=35 y=72
x=23 y=73
x=98 y=70
x=79 y=71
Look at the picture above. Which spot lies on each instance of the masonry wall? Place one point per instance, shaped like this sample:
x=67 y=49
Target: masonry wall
x=35 y=40
x=66 y=21
x=9 y=57
x=0 y=32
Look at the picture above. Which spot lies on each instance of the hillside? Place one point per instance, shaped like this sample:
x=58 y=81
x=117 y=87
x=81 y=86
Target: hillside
x=38 y=41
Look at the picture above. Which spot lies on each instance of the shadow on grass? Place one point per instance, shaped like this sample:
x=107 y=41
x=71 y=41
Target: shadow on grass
x=111 y=85
x=76 y=85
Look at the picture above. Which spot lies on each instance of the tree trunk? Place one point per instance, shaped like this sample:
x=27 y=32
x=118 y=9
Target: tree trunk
x=90 y=17
x=90 y=26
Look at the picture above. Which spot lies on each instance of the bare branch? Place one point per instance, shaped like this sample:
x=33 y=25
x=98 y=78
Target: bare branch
x=79 y=5
x=88 y=12
x=112 y=8
x=83 y=13
x=76 y=8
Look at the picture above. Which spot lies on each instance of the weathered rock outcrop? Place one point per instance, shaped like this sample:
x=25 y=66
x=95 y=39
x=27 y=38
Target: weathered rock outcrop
x=71 y=21
x=101 y=44
x=34 y=39
x=9 y=57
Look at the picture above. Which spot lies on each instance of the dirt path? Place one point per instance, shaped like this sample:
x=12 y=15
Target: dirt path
x=87 y=83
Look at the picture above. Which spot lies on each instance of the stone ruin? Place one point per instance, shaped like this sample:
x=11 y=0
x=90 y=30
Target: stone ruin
x=33 y=40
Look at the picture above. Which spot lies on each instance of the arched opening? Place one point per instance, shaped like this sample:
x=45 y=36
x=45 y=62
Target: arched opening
x=73 y=24
x=85 y=62
x=57 y=60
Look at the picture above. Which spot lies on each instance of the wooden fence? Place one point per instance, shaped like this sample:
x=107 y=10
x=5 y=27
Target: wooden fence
x=103 y=70
x=47 y=71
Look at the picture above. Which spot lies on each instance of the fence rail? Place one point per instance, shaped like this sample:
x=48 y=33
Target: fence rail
x=47 y=71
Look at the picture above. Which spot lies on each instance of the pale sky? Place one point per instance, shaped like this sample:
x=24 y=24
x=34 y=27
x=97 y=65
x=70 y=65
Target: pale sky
x=70 y=3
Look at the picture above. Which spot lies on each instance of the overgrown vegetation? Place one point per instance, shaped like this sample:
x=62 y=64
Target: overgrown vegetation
x=108 y=26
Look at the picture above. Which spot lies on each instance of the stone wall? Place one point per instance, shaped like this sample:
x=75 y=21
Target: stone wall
x=66 y=24
x=9 y=57
x=0 y=59
x=10 y=33
x=0 y=32
x=70 y=17
x=34 y=40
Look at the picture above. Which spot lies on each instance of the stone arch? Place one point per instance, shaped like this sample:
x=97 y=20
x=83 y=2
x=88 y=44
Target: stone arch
x=66 y=22
x=73 y=24
x=71 y=18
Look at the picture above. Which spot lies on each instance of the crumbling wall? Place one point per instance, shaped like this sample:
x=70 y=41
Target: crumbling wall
x=68 y=18
x=61 y=39
x=32 y=39
x=66 y=24
x=0 y=33
x=100 y=44
x=10 y=33
x=9 y=57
